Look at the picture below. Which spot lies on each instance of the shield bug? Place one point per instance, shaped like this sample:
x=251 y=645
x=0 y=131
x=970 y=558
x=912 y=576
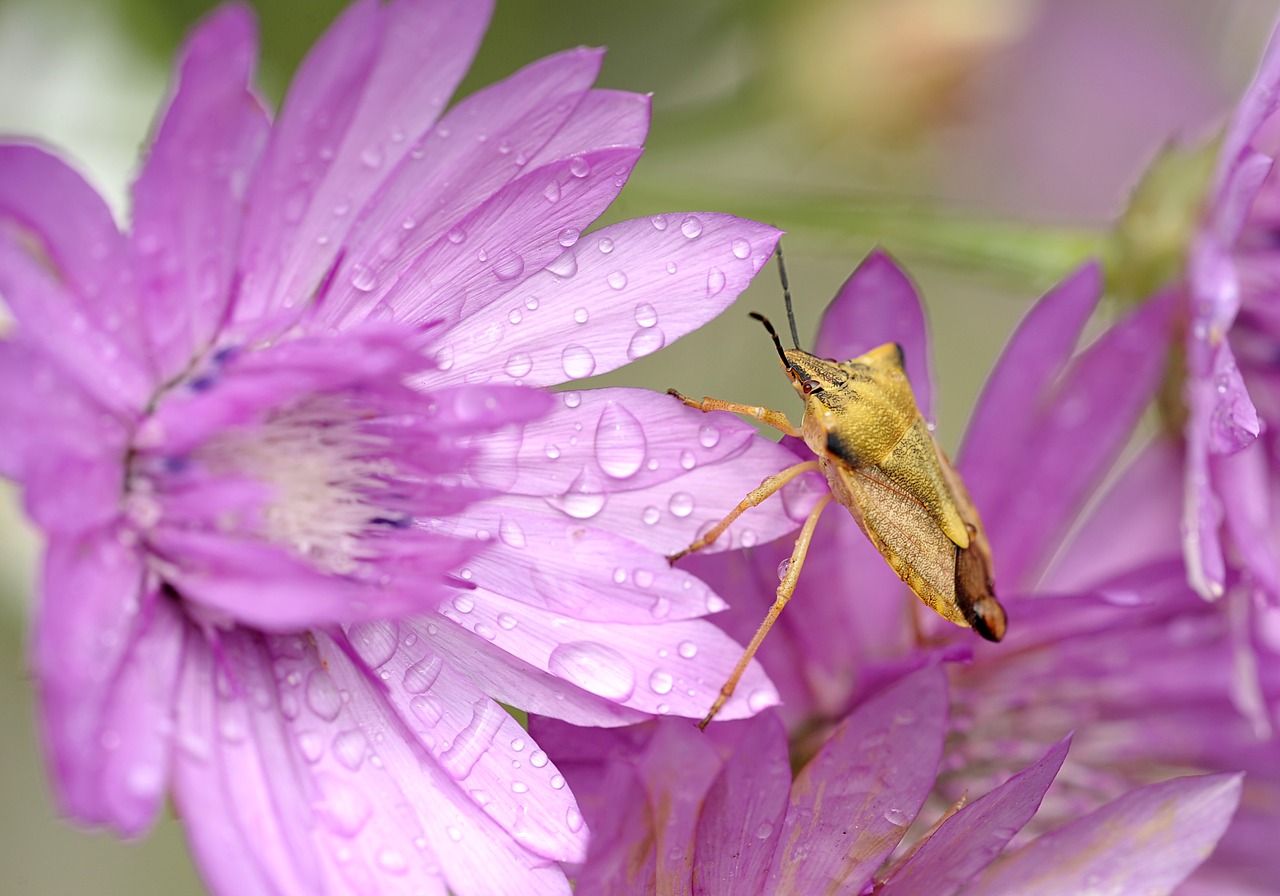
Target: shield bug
x=883 y=465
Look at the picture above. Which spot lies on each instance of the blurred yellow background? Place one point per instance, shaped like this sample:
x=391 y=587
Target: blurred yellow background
x=822 y=113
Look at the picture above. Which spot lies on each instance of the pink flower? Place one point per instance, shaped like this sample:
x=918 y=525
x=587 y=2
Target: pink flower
x=307 y=515
x=675 y=810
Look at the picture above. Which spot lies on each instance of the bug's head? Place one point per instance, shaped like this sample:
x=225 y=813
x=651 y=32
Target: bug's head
x=809 y=374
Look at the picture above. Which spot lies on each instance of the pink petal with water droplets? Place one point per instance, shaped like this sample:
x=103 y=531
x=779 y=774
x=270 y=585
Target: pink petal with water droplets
x=188 y=202
x=966 y=842
x=91 y=591
x=856 y=798
x=671 y=668
x=580 y=571
x=474 y=740
x=81 y=339
x=304 y=769
x=603 y=118
x=479 y=147
x=879 y=304
x=639 y=285
x=1146 y=841
x=604 y=441
x=742 y=815
x=373 y=84
x=473 y=272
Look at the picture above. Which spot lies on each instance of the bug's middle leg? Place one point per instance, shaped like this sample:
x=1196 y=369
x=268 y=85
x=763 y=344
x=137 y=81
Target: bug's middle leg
x=786 y=588
x=758 y=494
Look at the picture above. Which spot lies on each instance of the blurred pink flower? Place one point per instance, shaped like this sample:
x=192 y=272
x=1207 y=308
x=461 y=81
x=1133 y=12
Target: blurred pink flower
x=307 y=514
x=675 y=810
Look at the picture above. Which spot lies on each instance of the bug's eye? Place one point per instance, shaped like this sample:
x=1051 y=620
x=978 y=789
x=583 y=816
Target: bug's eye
x=811 y=386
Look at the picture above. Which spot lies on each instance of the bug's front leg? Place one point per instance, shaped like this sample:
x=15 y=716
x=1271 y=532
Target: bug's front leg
x=771 y=485
x=776 y=419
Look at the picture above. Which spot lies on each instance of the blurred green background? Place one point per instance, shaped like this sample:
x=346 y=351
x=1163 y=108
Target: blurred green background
x=846 y=122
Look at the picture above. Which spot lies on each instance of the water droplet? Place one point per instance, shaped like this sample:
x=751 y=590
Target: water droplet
x=577 y=361
x=551 y=192
x=651 y=515
x=349 y=748
x=552 y=451
x=565 y=265
x=484 y=631
x=376 y=642
x=557 y=782
x=765 y=830
x=579 y=167
x=605 y=245
x=538 y=759
x=646 y=342
x=311 y=745
x=519 y=787
x=661 y=608
x=474 y=740
x=582 y=500
x=783 y=568
x=687 y=649
x=455 y=834
x=444 y=357
x=371 y=157
x=687 y=460
x=715 y=281
x=594 y=667
x=362 y=278
x=691 y=227
x=646 y=315
x=580 y=315
x=572 y=400
x=519 y=365
x=463 y=604
x=671 y=267
x=620 y=442
x=508 y=265
x=681 y=504
x=741 y=248
x=661 y=682
x=617 y=280
x=456 y=235
x=344 y=809
x=897 y=817
x=759 y=701
x=568 y=236
x=708 y=436
x=323 y=696
x=514 y=316
x=428 y=709
x=531 y=303
x=573 y=818
x=393 y=861
x=423 y=674
x=659 y=222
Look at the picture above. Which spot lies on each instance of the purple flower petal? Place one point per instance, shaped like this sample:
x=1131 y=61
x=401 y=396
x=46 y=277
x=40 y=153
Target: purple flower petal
x=1245 y=483
x=189 y=200
x=854 y=801
x=879 y=304
x=372 y=85
x=678 y=270
x=963 y=844
x=674 y=667
x=603 y=118
x=488 y=252
x=742 y=815
x=1080 y=430
x=93 y=589
x=1007 y=411
x=1146 y=841
x=287 y=787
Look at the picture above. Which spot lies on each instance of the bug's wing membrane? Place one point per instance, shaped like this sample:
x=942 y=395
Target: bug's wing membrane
x=975 y=589
x=906 y=535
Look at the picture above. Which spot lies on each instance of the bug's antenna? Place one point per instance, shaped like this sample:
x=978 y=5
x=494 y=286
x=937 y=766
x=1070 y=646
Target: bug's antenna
x=786 y=297
x=777 y=343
